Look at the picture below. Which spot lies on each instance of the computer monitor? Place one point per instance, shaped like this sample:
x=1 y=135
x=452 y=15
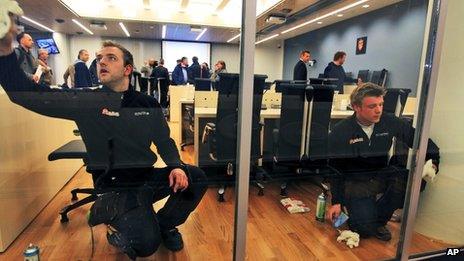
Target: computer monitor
x=202 y=84
x=48 y=44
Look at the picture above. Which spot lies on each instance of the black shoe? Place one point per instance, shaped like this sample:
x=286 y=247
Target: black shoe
x=172 y=240
x=117 y=240
x=383 y=233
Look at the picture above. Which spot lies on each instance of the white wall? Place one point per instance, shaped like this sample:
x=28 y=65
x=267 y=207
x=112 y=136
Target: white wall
x=59 y=62
x=441 y=206
x=268 y=58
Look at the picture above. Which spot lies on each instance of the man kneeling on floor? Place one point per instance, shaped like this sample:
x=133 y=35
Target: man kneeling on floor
x=118 y=126
x=370 y=185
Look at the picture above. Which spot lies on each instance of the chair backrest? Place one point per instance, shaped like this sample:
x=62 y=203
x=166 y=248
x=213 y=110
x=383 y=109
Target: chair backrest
x=318 y=130
x=375 y=78
x=323 y=81
x=202 y=84
x=292 y=124
x=395 y=100
x=363 y=75
x=227 y=116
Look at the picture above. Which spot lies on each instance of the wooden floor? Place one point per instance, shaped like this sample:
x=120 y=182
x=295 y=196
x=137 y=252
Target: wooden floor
x=273 y=234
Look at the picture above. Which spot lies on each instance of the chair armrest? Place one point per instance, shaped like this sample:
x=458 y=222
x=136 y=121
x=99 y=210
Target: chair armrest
x=275 y=144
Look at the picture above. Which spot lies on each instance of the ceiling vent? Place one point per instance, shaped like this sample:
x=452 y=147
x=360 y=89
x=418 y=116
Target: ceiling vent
x=196 y=28
x=274 y=19
x=98 y=25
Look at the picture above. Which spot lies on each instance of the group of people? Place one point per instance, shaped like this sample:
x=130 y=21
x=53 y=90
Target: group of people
x=183 y=73
x=333 y=70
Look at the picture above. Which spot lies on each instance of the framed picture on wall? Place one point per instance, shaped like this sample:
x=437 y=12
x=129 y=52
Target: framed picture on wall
x=361 y=45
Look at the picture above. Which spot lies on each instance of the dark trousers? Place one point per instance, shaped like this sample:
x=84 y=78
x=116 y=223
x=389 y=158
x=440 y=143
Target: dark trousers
x=371 y=202
x=134 y=217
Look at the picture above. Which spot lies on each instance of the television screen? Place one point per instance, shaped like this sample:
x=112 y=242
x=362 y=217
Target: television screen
x=48 y=44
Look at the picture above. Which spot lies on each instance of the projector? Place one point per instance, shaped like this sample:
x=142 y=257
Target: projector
x=273 y=19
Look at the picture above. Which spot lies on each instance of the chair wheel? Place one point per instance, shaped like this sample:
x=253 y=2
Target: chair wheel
x=182 y=148
x=221 y=197
x=261 y=192
x=64 y=218
x=283 y=192
x=74 y=196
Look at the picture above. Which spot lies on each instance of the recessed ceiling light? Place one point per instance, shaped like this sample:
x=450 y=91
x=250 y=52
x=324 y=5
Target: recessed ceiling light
x=82 y=26
x=324 y=16
x=340 y=15
x=37 y=23
x=123 y=27
x=233 y=38
x=319 y=22
x=152 y=27
x=163 y=35
x=267 y=38
x=365 y=6
x=201 y=34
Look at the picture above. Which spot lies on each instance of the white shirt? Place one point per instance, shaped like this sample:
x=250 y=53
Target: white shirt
x=367 y=129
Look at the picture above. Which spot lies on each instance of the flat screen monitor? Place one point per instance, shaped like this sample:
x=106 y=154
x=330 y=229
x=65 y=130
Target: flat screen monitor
x=48 y=44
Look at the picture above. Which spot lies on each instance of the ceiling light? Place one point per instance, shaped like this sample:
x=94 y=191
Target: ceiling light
x=37 y=23
x=326 y=15
x=164 y=32
x=267 y=38
x=82 y=26
x=319 y=22
x=340 y=15
x=124 y=29
x=365 y=6
x=201 y=34
x=233 y=38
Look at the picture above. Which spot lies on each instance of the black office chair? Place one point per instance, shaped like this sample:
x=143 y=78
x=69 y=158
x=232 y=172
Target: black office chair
x=379 y=77
x=395 y=101
x=74 y=149
x=363 y=75
x=222 y=136
x=302 y=139
x=202 y=84
x=188 y=126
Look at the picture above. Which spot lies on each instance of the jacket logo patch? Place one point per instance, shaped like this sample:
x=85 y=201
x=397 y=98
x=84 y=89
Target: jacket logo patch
x=110 y=113
x=353 y=141
x=141 y=113
x=381 y=134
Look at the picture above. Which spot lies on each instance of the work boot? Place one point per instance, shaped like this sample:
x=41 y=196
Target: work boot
x=172 y=239
x=383 y=233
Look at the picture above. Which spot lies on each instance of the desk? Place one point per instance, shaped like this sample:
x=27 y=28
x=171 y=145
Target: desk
x=178 y=93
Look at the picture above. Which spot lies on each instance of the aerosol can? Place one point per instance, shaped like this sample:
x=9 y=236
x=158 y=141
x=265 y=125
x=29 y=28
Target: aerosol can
x=320 y=208
x=31 y=253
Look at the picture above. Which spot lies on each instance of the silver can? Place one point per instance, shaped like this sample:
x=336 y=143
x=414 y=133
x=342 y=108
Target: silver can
x=31 y=253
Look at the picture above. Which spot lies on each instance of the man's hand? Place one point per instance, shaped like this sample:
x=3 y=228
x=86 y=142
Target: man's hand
x=178 y=180
x=35 y=78
x=6 y=43
x=334 y=212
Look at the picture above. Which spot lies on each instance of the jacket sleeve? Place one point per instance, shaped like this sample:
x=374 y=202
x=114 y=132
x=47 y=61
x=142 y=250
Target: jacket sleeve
x=175 y=75
x=161 y=138
x=39 y=98
x=299 y=71
x=336 y=158
x=406 y=134
x=327 y=71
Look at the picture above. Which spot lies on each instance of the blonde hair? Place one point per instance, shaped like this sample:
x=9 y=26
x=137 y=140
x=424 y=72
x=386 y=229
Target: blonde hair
x=367 y=89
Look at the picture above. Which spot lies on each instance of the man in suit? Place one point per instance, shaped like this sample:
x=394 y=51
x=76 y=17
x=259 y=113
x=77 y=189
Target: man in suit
x=300 y=71
x=162 y=72
x=180 y=73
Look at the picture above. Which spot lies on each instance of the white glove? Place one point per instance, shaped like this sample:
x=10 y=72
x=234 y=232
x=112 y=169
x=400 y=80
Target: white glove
x=6 y=7
x=428 y=173
x=351 y=238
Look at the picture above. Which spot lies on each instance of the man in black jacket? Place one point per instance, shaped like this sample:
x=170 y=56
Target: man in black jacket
x=335 y=70
x=359 y=149
x=113 y=123
x=162 y=72
x=300 y=71
x=194 y=70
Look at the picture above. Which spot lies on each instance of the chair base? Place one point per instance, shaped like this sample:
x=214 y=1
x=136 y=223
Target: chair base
x=64 y=211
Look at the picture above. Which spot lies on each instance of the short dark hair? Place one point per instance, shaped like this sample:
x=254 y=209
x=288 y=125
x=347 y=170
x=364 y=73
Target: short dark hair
x=338 y=55
x=127 y=56
x=178 y=60
x=305 y=51
x=367 y=89
x=80 y=53
x=20 y=36
x=194 y=59
x=183 y=58
x=221 y=62
x=161 y=61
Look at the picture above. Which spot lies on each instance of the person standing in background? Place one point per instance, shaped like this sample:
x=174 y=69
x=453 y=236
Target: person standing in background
x=220 y=68
x=194 y=70
x=205 y=71
x=27 y=62
x=47 y=73
x=162 y=72
x=82 y=76
x=335 y=70
x=300 y=71
x=180 y=73
x=93 y=72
